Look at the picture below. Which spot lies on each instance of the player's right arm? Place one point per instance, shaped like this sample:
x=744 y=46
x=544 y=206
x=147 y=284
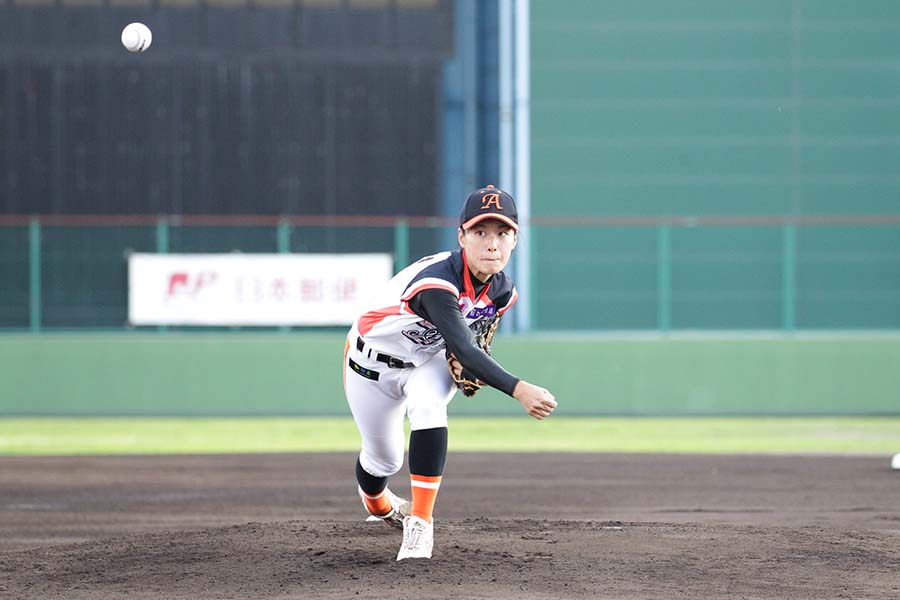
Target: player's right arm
x=537 y=401
x=441 y=308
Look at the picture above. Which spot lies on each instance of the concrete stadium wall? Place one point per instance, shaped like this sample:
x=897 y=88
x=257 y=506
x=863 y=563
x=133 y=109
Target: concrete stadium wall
x=299 y=374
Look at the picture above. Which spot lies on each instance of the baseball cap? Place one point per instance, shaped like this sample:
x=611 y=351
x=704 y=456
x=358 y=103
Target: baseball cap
x=489 y=203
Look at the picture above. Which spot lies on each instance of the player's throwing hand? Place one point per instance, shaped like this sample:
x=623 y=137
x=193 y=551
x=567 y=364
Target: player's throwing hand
x=537 y=401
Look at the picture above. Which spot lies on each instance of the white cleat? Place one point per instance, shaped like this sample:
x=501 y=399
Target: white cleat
x=400 y=508
x=418 y=538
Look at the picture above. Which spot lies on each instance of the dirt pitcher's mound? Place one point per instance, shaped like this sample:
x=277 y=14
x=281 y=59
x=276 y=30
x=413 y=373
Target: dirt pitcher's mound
x=479 y=558
x=508 y=526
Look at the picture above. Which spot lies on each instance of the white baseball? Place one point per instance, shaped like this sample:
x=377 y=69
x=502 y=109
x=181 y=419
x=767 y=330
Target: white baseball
x=895 y=462
x=136 y=37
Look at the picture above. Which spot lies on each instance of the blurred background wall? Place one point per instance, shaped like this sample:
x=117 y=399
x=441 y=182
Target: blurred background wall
x=271 y=108
x=697 y=166
x=786 y=109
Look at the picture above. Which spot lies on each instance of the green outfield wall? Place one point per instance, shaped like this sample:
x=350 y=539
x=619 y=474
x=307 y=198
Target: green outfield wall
x=715 y=107
x=300 y=374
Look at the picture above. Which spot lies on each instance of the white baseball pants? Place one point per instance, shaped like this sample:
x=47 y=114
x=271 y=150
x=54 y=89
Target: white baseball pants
x=422 y=393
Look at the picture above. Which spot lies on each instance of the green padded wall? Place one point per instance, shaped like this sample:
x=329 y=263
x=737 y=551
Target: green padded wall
x=716 y=107
x=300 y=374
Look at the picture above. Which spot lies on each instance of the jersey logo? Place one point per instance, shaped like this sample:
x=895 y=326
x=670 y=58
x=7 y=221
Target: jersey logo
x=483 y=311
x=489 y=200
x=427 y=336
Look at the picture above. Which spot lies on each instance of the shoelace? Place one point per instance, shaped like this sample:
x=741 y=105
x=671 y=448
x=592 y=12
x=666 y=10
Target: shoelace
x=413 y=535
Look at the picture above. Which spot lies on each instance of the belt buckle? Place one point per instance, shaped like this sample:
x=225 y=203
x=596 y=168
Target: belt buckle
x=394 y=363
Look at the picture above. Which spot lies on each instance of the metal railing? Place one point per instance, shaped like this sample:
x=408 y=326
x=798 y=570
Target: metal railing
x=405 y=237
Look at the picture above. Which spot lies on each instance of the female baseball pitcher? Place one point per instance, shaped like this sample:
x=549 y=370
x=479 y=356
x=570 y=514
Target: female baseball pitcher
x=426 y=334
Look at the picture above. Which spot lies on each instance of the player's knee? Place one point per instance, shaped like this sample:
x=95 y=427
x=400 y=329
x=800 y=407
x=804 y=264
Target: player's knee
x=381 y=465
x=428 y=416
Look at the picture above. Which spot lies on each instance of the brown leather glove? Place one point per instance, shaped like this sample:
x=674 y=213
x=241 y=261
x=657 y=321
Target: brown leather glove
x=467 y=383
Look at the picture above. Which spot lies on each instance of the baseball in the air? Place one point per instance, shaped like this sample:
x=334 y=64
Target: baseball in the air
x=136 y=37
x=895 y=462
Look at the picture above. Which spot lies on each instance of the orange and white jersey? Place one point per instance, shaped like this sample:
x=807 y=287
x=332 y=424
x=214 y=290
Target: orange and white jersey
x=390 y=326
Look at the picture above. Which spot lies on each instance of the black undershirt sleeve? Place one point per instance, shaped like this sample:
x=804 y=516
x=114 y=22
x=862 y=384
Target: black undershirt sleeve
x=441 y=309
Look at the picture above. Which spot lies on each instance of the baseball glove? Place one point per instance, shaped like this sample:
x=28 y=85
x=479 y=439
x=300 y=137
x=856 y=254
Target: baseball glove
x=465 y=381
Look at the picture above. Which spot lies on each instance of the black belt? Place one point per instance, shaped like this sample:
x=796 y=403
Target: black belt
x=392 y=362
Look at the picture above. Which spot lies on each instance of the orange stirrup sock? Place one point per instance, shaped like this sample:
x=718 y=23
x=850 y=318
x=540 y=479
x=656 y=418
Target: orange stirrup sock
x=424 y=493
x=378 y=505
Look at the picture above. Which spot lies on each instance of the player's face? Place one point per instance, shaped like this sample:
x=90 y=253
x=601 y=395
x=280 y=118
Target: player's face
x=488 y=246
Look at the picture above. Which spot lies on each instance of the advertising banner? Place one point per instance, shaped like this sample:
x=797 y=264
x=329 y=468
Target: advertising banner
x=252 y=289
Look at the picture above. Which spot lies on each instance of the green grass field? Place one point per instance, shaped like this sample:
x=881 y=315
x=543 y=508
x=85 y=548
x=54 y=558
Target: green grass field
x=73 y=436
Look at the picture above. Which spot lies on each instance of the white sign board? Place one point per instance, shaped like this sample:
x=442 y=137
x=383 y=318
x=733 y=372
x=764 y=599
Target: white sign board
x=252 y=289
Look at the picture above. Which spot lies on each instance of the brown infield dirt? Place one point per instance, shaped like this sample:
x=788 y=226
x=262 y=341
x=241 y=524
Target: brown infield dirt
x=507 y=526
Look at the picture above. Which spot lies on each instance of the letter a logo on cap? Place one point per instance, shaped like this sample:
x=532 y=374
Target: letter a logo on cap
x=489 y=200
x=486 y=203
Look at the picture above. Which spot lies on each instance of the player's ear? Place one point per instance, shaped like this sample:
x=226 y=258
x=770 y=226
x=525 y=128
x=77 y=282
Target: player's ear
x=461 y=237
